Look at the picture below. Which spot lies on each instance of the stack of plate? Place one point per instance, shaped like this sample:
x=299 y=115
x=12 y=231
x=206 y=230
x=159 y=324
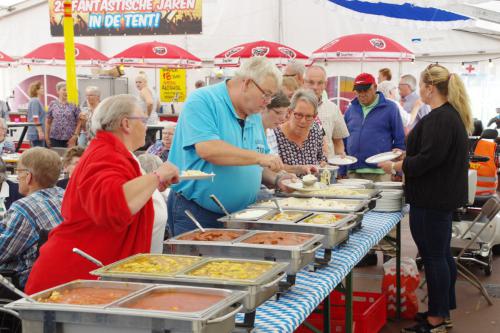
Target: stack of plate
x=389 y=185
x=390 y=201
x=366 y=183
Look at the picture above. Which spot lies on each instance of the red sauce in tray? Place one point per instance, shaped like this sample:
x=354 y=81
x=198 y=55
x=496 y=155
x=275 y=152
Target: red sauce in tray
x=174 y=301
x=213 y=235
x=277 y=238
x=85 y=296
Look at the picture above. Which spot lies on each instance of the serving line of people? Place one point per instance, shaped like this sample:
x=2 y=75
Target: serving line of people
x=112 y=208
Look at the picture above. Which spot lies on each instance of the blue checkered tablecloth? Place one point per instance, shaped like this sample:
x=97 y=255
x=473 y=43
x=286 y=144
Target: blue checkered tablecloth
x=294 y=306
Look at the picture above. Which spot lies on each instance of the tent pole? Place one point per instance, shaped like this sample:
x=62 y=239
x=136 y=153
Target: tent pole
x=280 y=21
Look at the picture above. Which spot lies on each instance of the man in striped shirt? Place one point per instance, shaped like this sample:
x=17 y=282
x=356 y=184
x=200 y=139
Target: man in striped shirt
x=40 y=209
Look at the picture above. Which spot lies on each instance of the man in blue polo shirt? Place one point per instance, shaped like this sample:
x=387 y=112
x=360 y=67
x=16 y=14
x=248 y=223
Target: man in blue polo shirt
x=220 y=131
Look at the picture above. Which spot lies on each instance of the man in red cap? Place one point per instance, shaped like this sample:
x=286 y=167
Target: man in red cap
x=375 y=127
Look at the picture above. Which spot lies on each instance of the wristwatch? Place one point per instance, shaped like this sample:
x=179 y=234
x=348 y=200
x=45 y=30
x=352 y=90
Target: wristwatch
x=393 y=171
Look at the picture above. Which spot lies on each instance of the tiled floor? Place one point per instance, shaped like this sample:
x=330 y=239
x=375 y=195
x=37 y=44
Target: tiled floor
x=473 y=313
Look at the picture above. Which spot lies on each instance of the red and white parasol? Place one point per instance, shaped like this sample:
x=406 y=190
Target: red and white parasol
x=53 y=54
x=5 y=60
x=156 y=54
x=362 y=47
x=279 y=53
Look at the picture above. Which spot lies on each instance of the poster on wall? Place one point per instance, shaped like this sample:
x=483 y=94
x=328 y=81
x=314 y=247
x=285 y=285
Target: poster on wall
x=129 y=17
x=172 y=85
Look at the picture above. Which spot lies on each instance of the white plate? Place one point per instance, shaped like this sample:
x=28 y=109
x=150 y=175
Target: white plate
x=355 y=181
x=299 y=186
x=197 y=177
x=383 y=157
x=389 y=185
x=337 y=160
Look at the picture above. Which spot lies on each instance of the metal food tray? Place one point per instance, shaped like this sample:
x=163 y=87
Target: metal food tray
x=234 y=215
x=244 y=235
x=133 y=287
x=356 y=206
x=259 y=290
x=333 y=234
x=108 y=269
x=266 y=218
x=47 y=318
x=298 y=256
x=364 y=194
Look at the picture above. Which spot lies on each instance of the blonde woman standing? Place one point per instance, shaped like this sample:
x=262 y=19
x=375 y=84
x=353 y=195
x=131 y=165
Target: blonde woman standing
x=149 y=98
x=435 y=169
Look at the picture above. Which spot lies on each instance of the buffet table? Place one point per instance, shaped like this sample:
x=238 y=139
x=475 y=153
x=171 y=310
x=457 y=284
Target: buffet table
x=311 y=288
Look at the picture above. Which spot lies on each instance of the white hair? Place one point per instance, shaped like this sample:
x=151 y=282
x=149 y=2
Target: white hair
x=410 y=80
x=385 y=87
x=112 y=110
x=93 y=90
x=142 y=76
x=60 y=85
x=296 y=67
x=305 y=95
x=258 y=69
x=149 y=162
x=317 y=67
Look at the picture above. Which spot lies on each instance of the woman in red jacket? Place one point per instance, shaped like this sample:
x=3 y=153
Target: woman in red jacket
x=107 y=208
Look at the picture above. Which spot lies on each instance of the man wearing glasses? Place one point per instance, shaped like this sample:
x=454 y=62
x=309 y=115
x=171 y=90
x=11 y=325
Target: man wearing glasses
x=329 y=114
x=410 y=101
x=220 y=131
x=40 y=209
x=295 y=70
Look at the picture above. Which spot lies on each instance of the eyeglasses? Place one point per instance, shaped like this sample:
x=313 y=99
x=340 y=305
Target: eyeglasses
x=290 y=75
x=279 y=113
x=19 y=170
x=299 y=116
x=267 y=96
x=144 y=120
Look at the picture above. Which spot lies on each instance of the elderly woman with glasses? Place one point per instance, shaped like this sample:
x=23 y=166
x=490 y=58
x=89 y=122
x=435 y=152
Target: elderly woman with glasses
x=6 y=145
x=300 y=140
x=110 y=207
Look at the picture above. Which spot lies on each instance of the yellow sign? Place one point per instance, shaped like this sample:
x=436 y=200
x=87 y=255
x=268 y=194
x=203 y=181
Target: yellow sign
x=172 y=85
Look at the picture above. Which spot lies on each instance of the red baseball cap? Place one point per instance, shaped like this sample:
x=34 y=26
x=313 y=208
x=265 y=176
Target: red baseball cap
x=363 y=81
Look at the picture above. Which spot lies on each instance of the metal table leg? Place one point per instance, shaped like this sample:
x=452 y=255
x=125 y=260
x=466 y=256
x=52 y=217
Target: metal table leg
x=348 y=303
x=326 y=314
x=21 y=138
x=398 y=270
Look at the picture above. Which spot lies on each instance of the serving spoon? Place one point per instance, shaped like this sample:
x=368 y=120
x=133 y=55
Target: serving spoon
x=12 y=288
x=195 y=221
x=88 y=257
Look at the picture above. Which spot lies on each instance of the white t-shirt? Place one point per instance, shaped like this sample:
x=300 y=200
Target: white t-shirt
x=332 y=121
x=160 y=218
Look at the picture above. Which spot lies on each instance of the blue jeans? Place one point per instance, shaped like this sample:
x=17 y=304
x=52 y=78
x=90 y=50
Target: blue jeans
x=431 y=231
x=37 y=143
x=178 y=221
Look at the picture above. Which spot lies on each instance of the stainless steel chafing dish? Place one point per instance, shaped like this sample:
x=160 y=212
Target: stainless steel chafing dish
x=259 y=289
x=334 y=234
x=319 y=205
x=40 y=317
x=298 y=256
x=334 y=192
